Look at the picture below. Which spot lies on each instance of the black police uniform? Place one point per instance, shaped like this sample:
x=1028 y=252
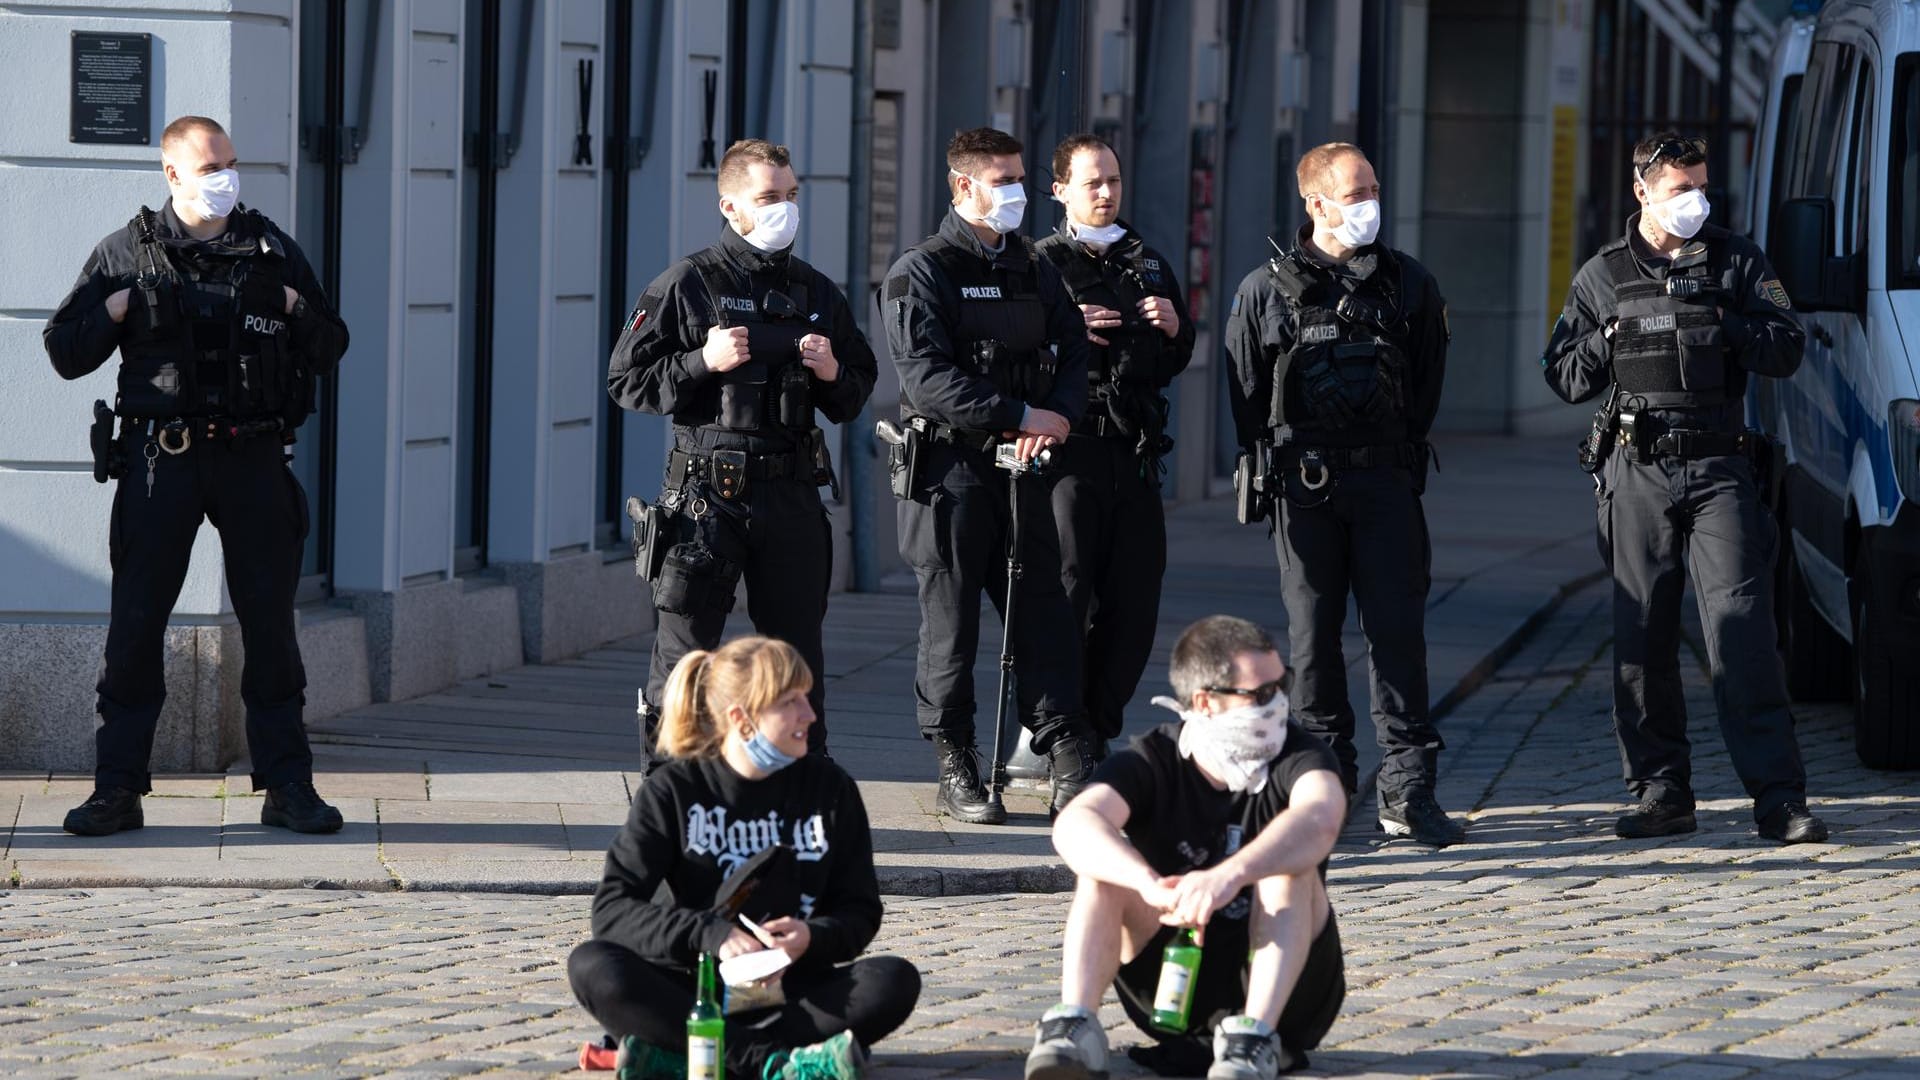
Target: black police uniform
x=214 y=376
x=1341 y=366
x=1673 y=341
x=970 y=331
x=1106 y=492
x=742 y=482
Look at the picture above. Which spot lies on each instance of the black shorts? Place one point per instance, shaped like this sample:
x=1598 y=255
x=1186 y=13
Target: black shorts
x=1221 y=990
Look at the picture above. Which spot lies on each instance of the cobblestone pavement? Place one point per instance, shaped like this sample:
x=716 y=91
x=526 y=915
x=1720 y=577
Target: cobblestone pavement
x=1542 y=948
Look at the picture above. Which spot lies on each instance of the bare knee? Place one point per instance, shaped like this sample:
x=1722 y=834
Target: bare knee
x=1292 y=898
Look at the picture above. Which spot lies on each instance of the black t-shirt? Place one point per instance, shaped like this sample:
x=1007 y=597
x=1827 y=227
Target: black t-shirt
x=1178 y=821
x=695 y=821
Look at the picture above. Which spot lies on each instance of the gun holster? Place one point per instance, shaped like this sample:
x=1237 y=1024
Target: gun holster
x=1252 y=500
x=109 y=458
x=903 y=463
x=822 y=456
x=650 y=540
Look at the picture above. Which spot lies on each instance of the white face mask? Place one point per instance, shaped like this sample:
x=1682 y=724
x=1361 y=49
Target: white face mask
x=774 y=226
x=1098 y=237
x=1683 y=214
x=1009 y=207
x=219 y=192
x=1237 y=745
x=1359 y=222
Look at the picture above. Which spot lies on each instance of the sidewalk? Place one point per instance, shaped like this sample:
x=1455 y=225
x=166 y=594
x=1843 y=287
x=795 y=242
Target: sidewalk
x=517 y=783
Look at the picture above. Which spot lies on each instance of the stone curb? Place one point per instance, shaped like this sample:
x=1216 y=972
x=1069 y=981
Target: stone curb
x=914 y=881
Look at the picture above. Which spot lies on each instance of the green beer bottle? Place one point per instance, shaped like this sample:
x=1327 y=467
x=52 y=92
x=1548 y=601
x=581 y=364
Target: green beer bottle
x=706 y=1028
x=1179 y=970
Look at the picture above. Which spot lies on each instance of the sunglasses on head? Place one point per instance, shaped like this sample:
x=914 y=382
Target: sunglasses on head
x=1261 y=694
x=1674 y=150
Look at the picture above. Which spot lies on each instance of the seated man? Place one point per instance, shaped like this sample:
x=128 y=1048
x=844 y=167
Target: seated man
x=1222 y=823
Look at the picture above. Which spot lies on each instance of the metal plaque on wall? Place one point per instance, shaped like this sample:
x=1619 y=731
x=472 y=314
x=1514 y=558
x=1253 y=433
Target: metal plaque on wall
x=112 y=88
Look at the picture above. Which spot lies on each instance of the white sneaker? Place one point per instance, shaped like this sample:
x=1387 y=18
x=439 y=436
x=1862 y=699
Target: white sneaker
x=1245 y=1049
x=1068 y=1044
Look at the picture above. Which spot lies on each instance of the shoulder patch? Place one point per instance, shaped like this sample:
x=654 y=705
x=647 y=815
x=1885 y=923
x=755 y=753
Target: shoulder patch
x=642 y=311
x=1236 y=305
x=1774 y=293
x=897 y=286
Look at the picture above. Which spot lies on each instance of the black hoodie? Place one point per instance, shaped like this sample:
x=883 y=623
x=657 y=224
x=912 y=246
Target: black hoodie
x=695 y=820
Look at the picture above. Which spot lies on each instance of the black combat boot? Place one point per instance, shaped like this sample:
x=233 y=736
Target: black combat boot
x=1073 y=761
x=962 y=796
x=298 y=807
x=107 y=811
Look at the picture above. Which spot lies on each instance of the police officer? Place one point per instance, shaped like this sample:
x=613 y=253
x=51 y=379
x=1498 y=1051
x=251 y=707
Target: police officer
x=1106 y=494
x=1338 y=346
x=990 y=349
x=740 y=343
x=1668 y=321
x=221 y=327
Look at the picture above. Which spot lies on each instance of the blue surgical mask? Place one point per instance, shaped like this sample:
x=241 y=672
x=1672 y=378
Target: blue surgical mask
x=765 y=756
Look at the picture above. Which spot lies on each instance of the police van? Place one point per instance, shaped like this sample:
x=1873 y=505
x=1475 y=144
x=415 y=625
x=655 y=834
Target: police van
x=1835 y=201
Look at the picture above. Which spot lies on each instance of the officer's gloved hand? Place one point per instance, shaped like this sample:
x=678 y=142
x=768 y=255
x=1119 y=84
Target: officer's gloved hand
x=1325 y=393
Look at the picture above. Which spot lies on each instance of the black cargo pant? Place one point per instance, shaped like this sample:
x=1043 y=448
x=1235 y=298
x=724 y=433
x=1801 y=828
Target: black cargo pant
x=1659 y=523
x=1113 y=552
x=953 y=532
x=1364 y=531
x=627 y=995
x=246 y=490
x=778 y=537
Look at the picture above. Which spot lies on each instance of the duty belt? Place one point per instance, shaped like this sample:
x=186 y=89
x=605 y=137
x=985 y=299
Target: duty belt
x=682 y=466
x=1701 y=444
x=179 y=433
x=971 y=438
x=1349 y=457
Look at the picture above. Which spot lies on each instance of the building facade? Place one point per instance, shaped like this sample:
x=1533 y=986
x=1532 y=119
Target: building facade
x=486 y=187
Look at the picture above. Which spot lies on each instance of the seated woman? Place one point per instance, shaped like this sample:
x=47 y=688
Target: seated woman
x=739 y=781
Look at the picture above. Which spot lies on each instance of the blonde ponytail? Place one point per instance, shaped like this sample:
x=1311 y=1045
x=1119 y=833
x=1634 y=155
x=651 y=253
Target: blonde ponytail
x=686 y=728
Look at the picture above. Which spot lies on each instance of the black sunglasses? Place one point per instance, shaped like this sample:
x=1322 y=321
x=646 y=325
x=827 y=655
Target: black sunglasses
x=1261 y=694
x=1674 y=149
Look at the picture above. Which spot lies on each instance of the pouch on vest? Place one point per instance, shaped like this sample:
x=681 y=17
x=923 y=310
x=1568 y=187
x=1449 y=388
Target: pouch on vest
x=1703 y=358
x=743 y=395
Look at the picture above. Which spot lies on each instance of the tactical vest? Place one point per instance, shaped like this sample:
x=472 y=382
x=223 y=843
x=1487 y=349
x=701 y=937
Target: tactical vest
x=1138 y=352
x=1667 y=344
x=1000 y=329
x=207 y=333
x=1345 y=346
x=772 y=388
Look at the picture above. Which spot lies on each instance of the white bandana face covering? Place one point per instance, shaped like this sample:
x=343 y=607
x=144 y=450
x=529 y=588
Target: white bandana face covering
x=1236 y=745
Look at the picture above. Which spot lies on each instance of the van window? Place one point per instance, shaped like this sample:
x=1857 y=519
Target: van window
x=1861 y=161
x=1830 y=74
x=1903 y=176
x=1783 y=140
